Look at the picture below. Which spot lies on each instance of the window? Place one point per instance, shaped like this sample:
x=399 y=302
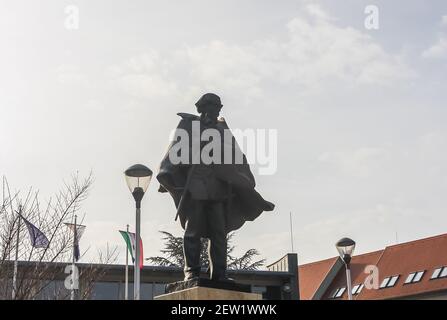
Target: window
x=393 y=281
x=360 y=289
x=414 y=277
x=340 y=292
x=106 y=290
x=410 y=277
x=443 y=272
x=436 y=273
x=389 y=282
x=357 y=288
x=418 y=276
x=384 y=283
x=334 y=293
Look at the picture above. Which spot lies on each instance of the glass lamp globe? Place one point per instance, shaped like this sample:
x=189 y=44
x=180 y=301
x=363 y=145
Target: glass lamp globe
x=345 y=247
x=138 y=177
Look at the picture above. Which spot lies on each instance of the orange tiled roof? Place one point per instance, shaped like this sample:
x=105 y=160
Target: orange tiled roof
x=401 y=259
x=311 y=275
x=358 y=276
x=426 y=254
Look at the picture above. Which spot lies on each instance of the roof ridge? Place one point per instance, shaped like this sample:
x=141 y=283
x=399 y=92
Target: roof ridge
x=417 y=240
x=368 y=253
x=336 y=257
x=317 y=262
x=325 y=276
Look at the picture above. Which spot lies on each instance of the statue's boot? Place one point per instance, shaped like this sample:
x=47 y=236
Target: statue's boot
x=191 y=250
x=217 y=245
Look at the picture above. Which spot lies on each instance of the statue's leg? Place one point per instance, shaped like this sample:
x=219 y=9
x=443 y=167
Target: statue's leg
x=217 y=248
x=191 y=240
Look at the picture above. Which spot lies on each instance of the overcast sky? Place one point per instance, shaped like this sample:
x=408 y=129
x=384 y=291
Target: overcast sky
x=360 y=113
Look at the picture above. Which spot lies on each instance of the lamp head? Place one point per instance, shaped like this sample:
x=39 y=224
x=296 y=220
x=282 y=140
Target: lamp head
x=138 y=178
x=345 y=248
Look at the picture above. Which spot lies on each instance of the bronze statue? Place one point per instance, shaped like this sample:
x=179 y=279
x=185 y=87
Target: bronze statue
x=212 y=198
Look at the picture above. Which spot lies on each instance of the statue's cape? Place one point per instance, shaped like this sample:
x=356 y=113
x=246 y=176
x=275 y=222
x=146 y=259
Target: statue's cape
x=246 y=203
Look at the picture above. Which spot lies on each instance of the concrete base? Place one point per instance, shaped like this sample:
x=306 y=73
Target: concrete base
x=207 y=283
x=204 y=293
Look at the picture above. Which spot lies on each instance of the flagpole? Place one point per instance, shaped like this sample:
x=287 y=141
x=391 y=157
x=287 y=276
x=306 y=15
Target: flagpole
x=73 y=263
x=126 y=289
x=291 y=230
x=16 y=260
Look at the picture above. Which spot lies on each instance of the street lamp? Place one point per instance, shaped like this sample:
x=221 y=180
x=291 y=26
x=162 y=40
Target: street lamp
x=138 y=178
x=345 y=248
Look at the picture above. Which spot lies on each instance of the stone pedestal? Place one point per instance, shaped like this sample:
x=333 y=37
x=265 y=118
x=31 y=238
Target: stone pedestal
x=203 y=293
x=204 y=289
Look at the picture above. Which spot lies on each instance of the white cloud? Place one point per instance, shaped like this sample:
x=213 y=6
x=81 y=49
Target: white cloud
x=430 y=151
x=227 y=67
x=320 y=50
x=373 y=227
x=439 y=49
x=143 y=76
x=444 y=20
x=357 y=162
x=268 y=244
x=69 y=74
x=315 y=50
x=316 y=11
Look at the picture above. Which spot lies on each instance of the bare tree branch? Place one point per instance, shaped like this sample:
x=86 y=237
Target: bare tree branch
x=36 y=271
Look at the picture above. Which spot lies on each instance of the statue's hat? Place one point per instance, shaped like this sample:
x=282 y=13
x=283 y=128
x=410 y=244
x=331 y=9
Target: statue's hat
x=208 y=99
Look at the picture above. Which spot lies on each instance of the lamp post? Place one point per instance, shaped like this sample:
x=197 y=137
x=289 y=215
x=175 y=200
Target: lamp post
x=138 y=178
x=345 y=248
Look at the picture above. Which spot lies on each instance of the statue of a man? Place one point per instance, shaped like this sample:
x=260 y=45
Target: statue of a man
x=213 y=197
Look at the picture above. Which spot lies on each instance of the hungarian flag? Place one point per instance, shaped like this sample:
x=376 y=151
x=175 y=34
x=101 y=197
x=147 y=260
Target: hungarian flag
x=38 y=239
x=78 y=231
x=129 y=237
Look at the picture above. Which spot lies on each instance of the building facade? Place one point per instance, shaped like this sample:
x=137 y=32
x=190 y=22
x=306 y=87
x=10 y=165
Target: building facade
x=106 y=282
x=411 y=270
